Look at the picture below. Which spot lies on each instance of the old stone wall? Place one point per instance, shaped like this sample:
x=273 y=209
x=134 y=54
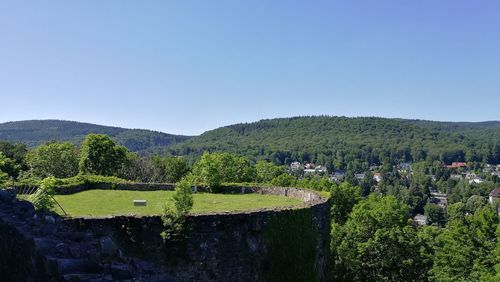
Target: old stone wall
x=260 y=245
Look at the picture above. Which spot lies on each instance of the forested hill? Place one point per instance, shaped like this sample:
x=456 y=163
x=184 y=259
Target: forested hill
x=340 y=141
x=333 y=141
x=36 y=132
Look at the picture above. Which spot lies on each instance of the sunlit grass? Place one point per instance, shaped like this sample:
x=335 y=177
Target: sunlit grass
x=114 y=202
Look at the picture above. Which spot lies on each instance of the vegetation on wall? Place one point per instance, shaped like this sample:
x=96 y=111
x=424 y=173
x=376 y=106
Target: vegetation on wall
x=291 y=238
x=43 y=199
x=174 y=220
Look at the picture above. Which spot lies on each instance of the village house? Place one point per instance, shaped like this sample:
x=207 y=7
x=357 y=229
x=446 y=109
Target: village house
x=420 y=219
x=338 y=175
x=456 y=176
x=377 y=177
x=309 y=170
x=476 y=180
x=440 y=199
x=473 y=178
x=470 y=175
x=404 y=167
x=321 y=169
x=431 y=176
x=457 y=165
x=359 y=176
x=295 y=166
x=309 y=166
x=494 y=195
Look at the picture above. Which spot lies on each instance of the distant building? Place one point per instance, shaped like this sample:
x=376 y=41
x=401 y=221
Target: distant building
x=338 y=175
x=309 y=166
x=317 y=169
x=359 y=176
x=456 y=176
x=476 y=180
x=432 y=177
x=440 y=199
x=457 y=165
x=404 y=166
x=470 y=175
x=377 y=177
x=420 y=219
x=494 y=195
x=321 y=169
x=295 y=166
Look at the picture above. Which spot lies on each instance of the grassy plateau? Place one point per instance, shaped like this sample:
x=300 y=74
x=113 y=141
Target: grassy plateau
x=115 y=202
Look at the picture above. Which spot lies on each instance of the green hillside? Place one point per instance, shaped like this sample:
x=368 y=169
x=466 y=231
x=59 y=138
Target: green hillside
x=36 y=132
x=326 y=139
x=335 y=141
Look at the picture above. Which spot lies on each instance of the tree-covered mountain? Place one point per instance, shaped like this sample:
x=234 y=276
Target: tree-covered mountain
x=339 y=141
x=37 y=132
x=334 y=141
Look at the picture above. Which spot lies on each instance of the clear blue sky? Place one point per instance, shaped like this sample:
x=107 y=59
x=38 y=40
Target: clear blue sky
x=188 y=66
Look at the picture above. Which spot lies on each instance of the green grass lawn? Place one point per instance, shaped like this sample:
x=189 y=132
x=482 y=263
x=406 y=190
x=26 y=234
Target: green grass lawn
x=114 y=202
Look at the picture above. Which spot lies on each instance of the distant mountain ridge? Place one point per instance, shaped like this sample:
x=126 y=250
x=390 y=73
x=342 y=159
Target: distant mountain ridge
x=36 y=132
x=305 y=138
x=371 y=139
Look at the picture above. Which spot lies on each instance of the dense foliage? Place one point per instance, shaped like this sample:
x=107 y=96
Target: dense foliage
x=43 y=197
x=54 y=159
x=216 y=168
x=339 y=142
x=100 y=155
x=376 y=242
x=174 y=220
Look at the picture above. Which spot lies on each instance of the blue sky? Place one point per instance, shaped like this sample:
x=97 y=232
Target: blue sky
x=189 y=66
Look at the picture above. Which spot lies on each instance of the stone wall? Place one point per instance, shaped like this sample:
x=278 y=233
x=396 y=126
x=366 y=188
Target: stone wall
x=259 y=245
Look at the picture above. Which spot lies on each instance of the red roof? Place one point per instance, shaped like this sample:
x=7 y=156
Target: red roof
x=495 y=193
x=457 y=165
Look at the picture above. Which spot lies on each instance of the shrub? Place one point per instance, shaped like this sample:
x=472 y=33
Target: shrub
x=174 y=220
x=42 y=199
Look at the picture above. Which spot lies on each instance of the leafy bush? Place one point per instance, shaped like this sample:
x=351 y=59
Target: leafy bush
x=174 y=220
x=43 y=199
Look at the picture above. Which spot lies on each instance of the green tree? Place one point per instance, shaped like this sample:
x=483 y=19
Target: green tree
x=8 y=167
x=435 y=214
x=16 y=152
x=267 y=171
x=216 y=168
x=5 y=164
x=174 y=219
x=141 y=169
x=58 y=159
x=465 y=250
x=474 y=203
x=456 y=211
x=343 y=198
x=284 y=180
x=100 y=155
x=377 y=243
x=173 y=169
